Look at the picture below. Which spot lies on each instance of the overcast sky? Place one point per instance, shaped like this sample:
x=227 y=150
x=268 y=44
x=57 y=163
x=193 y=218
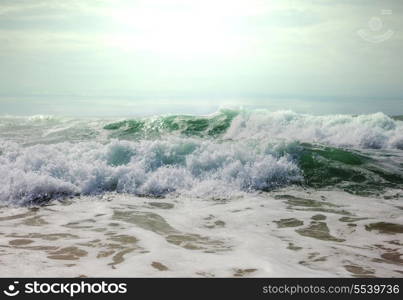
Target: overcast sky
x=56 y=55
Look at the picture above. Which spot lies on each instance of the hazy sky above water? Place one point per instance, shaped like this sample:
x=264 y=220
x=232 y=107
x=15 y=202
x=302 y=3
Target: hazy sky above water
x=121 y=57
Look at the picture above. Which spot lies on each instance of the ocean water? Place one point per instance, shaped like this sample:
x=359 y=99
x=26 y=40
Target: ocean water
x=235 y=193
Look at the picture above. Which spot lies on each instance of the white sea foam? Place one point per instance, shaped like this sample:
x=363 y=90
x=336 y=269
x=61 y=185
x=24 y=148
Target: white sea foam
x=122 y=235
x=152 y=168
x=374 y=131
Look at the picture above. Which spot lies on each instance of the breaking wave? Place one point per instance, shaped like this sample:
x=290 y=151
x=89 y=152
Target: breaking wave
x=152 y=168
x=217 y=156
x=375 y=131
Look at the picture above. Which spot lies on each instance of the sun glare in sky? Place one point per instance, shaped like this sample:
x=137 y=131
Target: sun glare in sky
x=205 y=27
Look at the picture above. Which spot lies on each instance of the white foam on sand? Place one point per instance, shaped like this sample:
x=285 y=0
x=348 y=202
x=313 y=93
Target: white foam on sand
x=123 y=235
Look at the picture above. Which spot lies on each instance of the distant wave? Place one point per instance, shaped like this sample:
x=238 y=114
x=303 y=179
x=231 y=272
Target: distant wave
x=375 y=131
x=372 y=131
